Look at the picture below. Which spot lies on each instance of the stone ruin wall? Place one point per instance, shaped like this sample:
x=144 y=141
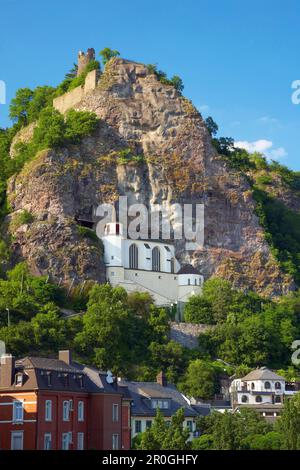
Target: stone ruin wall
x=72 y=98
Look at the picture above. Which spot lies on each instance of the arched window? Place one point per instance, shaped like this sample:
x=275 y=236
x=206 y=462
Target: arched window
x=244 y=398
x=258 y=399
x=156 y=259
x=278 y=385
x=267 y=385
x=172 y=265
x=252 y=386
x=133 y=257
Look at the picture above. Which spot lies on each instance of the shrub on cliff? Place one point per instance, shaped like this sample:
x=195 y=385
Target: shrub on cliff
x=108 y=54
x=79 y=124
x=175 y=81
x=71 y=79
x=53 y=130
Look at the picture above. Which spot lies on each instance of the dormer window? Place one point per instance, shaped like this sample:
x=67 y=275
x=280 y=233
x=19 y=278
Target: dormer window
x=19 y=380
x=80 y=380
x=66 y=380
x=162 y=404
x=49 y=378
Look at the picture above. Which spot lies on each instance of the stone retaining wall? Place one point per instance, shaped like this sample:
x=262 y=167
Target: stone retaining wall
x=187 y=333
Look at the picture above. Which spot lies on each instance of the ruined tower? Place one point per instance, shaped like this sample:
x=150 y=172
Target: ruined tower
x=84 y=59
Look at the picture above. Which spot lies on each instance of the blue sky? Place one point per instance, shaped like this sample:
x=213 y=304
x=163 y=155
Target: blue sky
x=237 y=59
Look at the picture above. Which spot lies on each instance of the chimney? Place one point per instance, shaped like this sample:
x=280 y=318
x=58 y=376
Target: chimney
x=161 y=379
x=7 y=369
x=65 y=356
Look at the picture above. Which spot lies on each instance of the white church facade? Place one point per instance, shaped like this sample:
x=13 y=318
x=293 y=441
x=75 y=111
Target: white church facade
x=148 y=266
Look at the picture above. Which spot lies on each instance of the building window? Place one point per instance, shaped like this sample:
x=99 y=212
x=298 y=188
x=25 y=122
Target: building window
x=244 y=398
x=189 y=282
x=115 y=413
x=47 y=441
x=267 y=385
x=172 y=266
x=48 y=410
x=19 y=380
x=115 y=442
x=277 y=385
x=138 y=426
x=49 y=379
x=80 y=441
x=252 y=386
x=65 y=441
x=80 y=380
x=156 y=259
x=80 y=411
x=18 y=411
x=66 y=410
x=277 y=399
x=162 y=404
x=189 y=425
x=148 y=424
x=258 y=399
x=133 y=256
x=17 y=440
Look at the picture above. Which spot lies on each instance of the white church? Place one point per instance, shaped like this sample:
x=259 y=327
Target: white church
x=148 y=266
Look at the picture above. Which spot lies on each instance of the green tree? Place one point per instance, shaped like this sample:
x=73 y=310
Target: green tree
x=199 y=380
x=161 y=436
x=198 y=310
x=108 y=54
x=289 y=423
x=177 y=435
x=177 y=83
x=104 y=324
x=204 y=442
x=212 y=126
x=154 y=436
x=19 y=106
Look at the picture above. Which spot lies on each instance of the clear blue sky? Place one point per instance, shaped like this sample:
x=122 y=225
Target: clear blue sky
x=237 y=58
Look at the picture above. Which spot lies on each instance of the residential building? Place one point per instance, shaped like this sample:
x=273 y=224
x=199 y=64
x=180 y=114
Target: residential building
x=148 y=396
x=262 y=390
x=60 y=404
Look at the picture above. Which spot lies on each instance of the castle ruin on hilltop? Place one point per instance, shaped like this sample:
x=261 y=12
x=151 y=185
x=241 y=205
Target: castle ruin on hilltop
x=84 y=59
x=70 y=99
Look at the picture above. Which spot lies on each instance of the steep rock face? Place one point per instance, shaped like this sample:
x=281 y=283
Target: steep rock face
x=179 y=165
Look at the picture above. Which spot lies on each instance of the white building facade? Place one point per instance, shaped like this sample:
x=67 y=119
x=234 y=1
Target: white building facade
x=148 y=266
x=262 y=390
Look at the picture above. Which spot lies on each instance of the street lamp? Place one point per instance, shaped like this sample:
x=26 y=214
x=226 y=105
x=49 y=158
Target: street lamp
x=8 y=317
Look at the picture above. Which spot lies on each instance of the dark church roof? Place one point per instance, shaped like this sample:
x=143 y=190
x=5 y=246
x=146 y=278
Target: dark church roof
x=188 y=269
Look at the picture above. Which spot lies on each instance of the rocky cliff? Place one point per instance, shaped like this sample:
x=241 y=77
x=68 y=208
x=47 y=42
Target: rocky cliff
x=177 y=164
